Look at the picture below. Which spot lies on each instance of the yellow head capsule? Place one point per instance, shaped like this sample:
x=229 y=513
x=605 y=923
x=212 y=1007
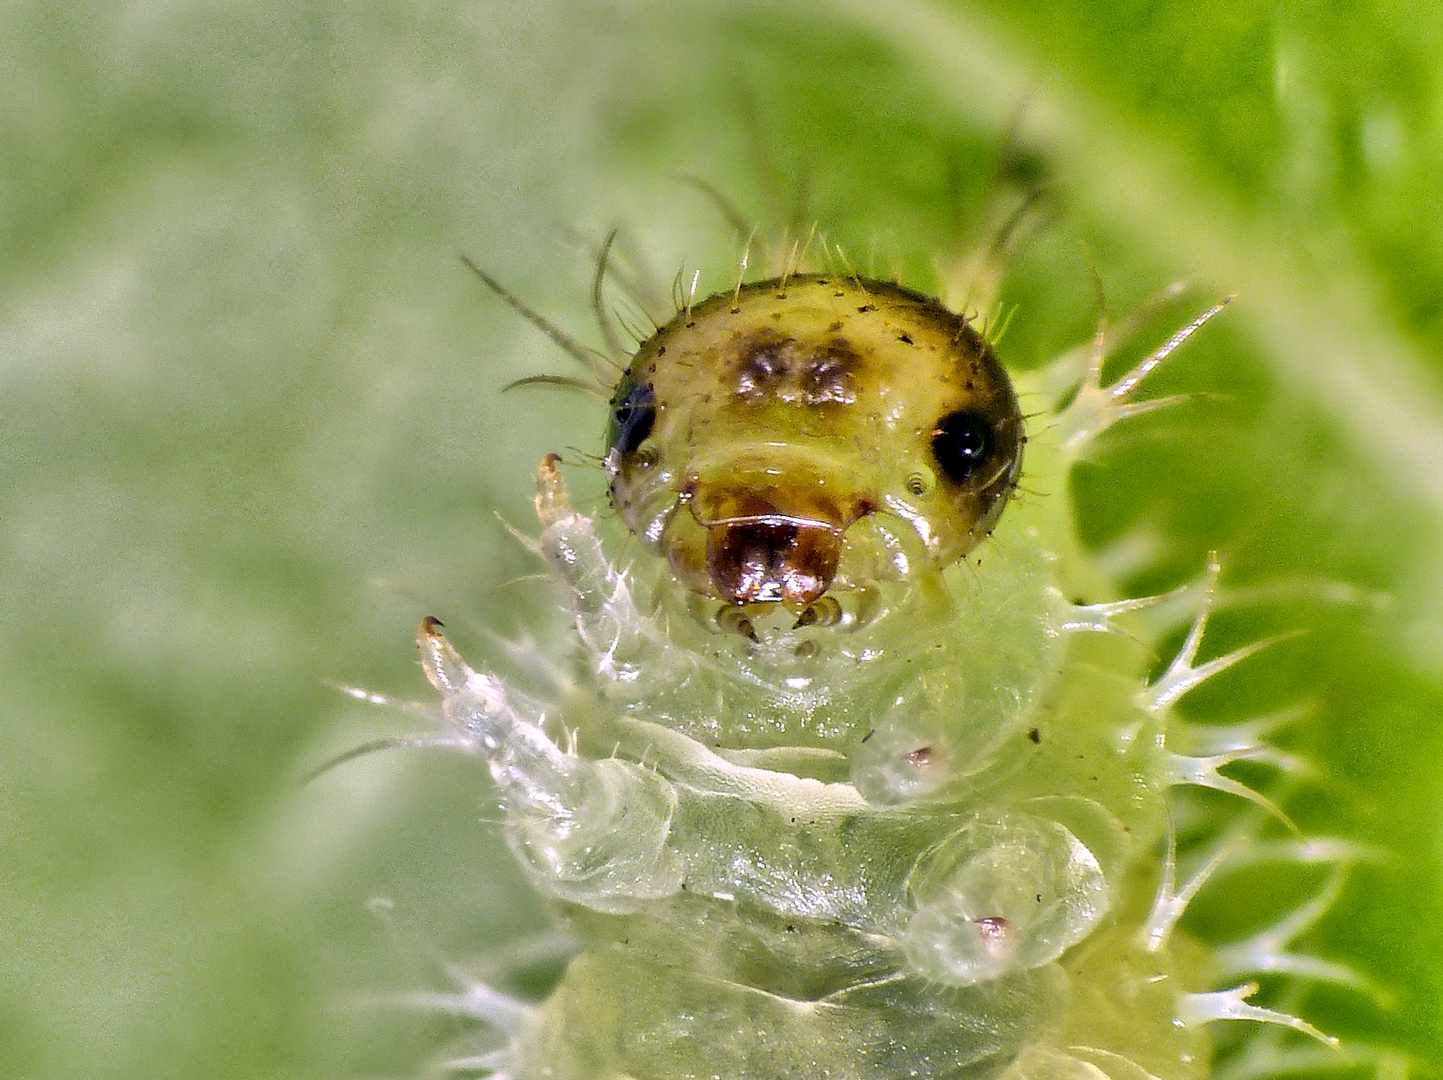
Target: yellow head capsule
x=752 y=434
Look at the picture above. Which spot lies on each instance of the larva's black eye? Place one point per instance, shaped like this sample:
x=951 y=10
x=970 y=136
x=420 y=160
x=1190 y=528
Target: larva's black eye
x=960 y=443
x=633 y=411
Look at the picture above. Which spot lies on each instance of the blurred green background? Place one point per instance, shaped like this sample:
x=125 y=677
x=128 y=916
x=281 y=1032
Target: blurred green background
x=253 y=430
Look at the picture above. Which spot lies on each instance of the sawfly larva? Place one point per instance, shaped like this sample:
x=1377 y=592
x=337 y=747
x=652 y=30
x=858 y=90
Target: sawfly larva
x=860 y=771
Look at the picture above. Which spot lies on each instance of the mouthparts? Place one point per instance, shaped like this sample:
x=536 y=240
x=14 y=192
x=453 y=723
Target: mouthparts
x=758 y=551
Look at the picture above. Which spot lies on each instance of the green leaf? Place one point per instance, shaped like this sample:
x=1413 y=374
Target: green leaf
x=253 y=429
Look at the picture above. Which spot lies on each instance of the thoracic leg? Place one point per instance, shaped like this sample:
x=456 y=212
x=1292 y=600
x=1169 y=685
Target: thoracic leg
x=592 y=832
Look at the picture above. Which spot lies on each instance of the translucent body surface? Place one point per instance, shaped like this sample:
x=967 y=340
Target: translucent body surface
x=854 y=792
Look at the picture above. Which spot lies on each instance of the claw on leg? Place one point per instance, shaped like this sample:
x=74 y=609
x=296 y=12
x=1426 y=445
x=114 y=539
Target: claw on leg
x=553 y=504
x=444 y=668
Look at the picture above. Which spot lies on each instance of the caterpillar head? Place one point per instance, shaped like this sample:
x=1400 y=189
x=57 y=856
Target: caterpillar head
x=807 y=436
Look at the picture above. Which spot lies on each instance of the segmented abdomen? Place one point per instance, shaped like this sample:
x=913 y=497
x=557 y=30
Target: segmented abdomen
x=854 y=791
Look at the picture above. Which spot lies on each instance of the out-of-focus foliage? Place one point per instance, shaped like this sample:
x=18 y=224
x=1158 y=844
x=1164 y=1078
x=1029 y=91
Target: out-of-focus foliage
x=253 y=429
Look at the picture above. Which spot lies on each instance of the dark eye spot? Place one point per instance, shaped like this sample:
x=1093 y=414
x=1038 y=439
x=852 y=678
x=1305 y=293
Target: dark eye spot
x=961 y=442
x=633 y=411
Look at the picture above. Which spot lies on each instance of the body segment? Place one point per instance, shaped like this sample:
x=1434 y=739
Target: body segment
x=845 y=789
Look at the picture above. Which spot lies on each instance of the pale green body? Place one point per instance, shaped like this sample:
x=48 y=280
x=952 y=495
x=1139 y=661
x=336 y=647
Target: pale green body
x=924 y=844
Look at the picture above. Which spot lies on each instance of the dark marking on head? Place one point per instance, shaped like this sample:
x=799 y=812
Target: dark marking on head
x=771 y=366
x=763 y=366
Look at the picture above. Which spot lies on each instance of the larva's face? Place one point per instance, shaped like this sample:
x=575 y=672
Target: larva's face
x=808 y=437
